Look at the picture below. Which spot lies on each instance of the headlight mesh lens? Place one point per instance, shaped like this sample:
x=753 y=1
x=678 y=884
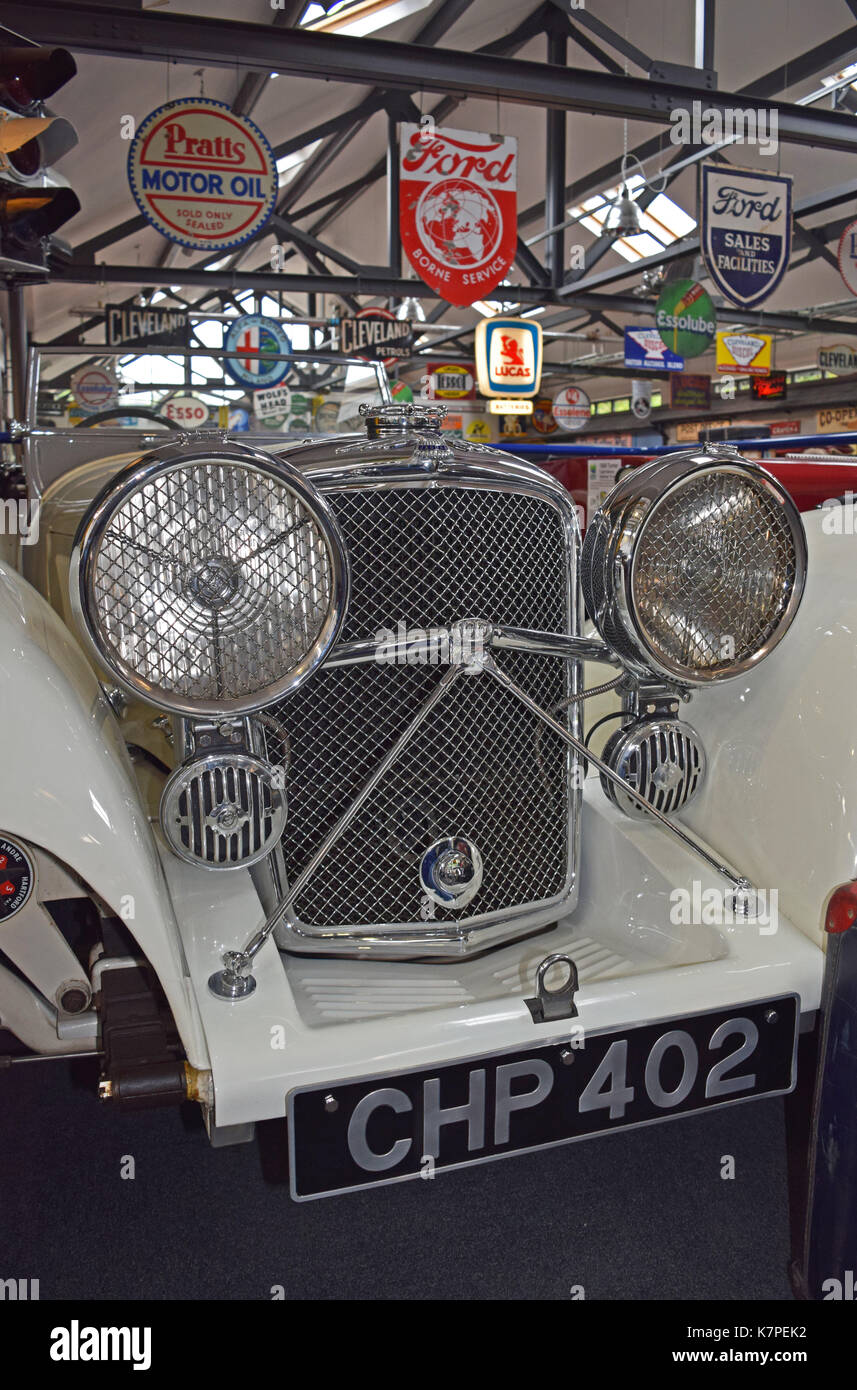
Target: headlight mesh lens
x=209 y=584
x=714 y=570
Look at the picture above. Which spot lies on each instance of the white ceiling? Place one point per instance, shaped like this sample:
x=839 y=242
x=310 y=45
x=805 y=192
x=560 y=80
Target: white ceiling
x=752 y=37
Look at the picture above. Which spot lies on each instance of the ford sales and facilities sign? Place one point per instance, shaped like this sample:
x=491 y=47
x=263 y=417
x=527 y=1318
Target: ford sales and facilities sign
x=202 y=175
x=746 y=230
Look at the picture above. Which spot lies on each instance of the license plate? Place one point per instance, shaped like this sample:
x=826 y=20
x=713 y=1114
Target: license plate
x=356 y=1134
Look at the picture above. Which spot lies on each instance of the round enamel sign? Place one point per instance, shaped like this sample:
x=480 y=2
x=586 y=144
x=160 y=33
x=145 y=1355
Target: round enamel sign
x=255 y=338
x=571 y=408
x=17 y=876
x=848 y=256
x=95 y=388
x=202 y=175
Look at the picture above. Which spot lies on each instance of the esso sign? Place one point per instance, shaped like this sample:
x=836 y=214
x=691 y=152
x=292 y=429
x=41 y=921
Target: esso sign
x=187 y=411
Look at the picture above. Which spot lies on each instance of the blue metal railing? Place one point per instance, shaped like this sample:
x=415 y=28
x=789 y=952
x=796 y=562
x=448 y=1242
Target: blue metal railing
x=789 y=442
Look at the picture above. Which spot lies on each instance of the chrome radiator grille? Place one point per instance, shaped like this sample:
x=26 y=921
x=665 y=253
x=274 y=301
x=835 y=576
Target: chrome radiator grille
x=482 y=766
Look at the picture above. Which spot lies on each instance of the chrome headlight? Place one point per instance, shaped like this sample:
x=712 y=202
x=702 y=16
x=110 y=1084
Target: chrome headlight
x=209 y=581
x=694 y=566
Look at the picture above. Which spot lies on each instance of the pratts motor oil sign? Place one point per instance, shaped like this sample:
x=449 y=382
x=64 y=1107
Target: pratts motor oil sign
x=202 y=175
x=458 y=209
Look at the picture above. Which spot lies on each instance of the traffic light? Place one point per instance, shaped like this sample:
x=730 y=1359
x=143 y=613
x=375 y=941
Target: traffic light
x=35 y=201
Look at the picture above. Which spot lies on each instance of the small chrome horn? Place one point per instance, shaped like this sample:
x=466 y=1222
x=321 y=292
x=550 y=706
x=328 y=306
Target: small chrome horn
x=663 y=759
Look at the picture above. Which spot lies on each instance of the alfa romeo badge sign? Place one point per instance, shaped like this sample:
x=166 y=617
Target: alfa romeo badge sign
x=202 y=175
x=458 y=209
x=258 y=341
x=685 y=318
x=746 y=230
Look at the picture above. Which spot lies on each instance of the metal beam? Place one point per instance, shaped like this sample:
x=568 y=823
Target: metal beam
x=253 y=84
x=606 y=34
x=586 y=43
x=824 y=56
x=383 y=288
x=18 y=350
x=810 y=206
x=305 y=241
x=394 y=242
x=158 y=36
x=530 y=265
x=704 y=33
x=555 y=167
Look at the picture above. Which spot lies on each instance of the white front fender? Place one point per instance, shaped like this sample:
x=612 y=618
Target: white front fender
x=67 y=785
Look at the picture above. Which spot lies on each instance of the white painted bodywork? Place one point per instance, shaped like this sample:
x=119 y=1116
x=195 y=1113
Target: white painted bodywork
x=68 y=787
x=780 y=798
x=778 y=803
x=318 y=1021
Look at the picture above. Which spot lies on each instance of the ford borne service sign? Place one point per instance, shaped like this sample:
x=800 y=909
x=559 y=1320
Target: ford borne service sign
x=458 y=209
x=202 y=175
x=508 y=357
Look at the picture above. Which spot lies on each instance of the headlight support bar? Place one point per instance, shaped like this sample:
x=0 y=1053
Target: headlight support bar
x=235 y=981
x=740 y=884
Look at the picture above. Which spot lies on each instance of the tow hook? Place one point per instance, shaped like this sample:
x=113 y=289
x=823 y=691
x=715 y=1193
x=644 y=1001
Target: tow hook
x=549 y=1005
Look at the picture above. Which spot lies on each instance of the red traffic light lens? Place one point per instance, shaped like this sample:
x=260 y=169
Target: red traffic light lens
x=28 y=75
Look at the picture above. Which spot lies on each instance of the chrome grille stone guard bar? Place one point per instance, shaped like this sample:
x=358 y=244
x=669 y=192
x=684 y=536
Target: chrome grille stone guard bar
x=454 y=646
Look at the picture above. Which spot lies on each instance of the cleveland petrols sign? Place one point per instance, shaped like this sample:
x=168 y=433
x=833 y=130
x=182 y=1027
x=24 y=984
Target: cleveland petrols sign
x=375 y=334
x=746 y=230
x=128 y=325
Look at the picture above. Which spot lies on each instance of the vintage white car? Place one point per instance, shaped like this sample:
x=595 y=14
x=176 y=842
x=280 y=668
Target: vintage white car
x=298 y=816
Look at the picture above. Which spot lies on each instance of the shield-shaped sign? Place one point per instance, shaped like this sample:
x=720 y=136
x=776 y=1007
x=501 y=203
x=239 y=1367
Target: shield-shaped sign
x=458 y=209
x=746 y=230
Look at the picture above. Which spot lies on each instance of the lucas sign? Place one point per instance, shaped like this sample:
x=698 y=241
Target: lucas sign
x=746 y=230
x=509 y=357
x=458 y=208
x=202 y=175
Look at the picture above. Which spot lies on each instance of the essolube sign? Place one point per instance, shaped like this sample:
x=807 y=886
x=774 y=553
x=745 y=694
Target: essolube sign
x=202 y=175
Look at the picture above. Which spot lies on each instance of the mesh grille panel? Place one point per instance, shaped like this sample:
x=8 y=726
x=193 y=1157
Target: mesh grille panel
x=714 y=570
x=211 y=582
x=430 y=556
